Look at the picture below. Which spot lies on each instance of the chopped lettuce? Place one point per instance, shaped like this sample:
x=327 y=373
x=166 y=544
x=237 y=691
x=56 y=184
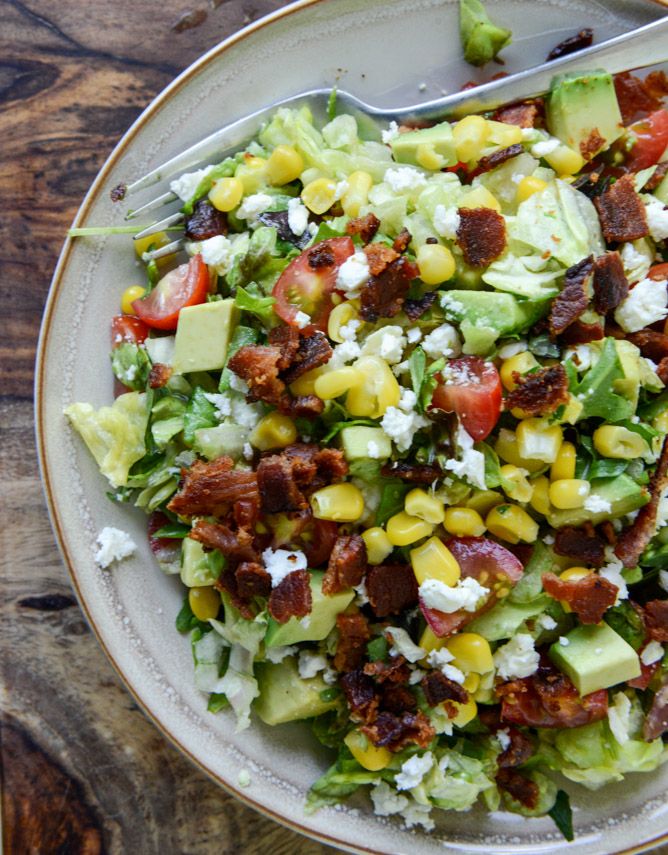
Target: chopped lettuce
x=595 y=390
x=131 y=365
x=527 y=276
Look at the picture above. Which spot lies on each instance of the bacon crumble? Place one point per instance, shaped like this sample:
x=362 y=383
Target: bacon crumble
x=208 y=489
x=438 y=688
x=589 y=598
x=384 y=294
x=291 y=597
x=610 y=283
x=414 y=309
x=259 y=365
x=420 y=473
x=366 y=227
x=237 y=545
x=621 y=212
x=159 y=375
x=346 y=566
x=396 y=732
x=573 y=299
x=205 y=222
x=524 y=115
x=581 y=40
x=354 y=633
x=391 y=588
x=655 y=617
x=518 y=787
x=497 y=158
x=481 y=235
x=541 y=392
x=311 y=352
x=252 y=580
x=583 y=545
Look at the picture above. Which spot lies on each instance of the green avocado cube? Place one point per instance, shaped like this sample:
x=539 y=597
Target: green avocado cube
x=355 y=443
x=203 y=335
x=595 y=658
x=198 y=568
x=430 y=148
x=622 y=493
x=285 y=696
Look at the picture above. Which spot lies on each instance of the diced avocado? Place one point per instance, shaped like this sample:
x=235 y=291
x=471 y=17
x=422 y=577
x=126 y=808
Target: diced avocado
x=203 y=335
x=355 y=442
x=430 y=148
x=319 y=623
x=583 y=112
x=506 y=618
x=481 y=38
x=284 y=696
x=661 y=191
x=629 y=385
x=199 y=568
x=622 y=493
x=595 y=658
x=223 y=439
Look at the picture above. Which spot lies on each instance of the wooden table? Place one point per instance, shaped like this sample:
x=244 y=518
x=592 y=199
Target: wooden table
x=83 y=770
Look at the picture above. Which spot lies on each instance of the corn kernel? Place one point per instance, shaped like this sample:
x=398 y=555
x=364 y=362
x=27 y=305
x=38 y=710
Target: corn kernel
x=150 y=241
x=378 y=391
x=339 y=317
x=472 y=683
x=403 y=529
x=226 y=194
x=134 y=292
x=521 y=363
x=482 y=501
x=540 y=497
x=356 y=193
x=378 y=545
x=565 y=160
x=433 y=560
x=285 y=164
x=564 y=465
x=273 y=431
x=480 y=197
x=528 y=186
x=619 y=442
x=319 y=195
x=338 y=502
x=516 y=485
x=463 y=522
x=465 y=712
x=305 y=385
x=368 y=755
x=471 y=651
x=436 y=263
x=252 y=173
x=512 y=523
x=569 y=493
x=428 y=158
x=507 y=449
x=503 y=134
x=420 y=504
x=204 y=602
x=470 y=135
x=537 y=439
x=573 y=574
x=430 y=641
x=334 y=383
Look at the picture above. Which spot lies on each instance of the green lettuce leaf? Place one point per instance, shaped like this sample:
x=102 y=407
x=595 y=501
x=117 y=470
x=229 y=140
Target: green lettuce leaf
x=131 y=365
x=595 y=393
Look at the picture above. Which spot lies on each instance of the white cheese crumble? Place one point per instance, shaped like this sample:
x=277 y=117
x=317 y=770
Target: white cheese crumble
x=596 y=505
x=297 y=217
x=373 y=450
x=503 y=738
x=512 y=349
x=581 y=355
x=466 y=594
x=343 y=353
x=651 y=653
x=413 y=771
x=547 y=622
x=310 y=662
x=440 y=660
x=388 y=343
x=361 y=594
x=518 y=658
x=471 y=467
x=563 y=641
x=443 y=341
x=645 y=304
x=413 y=335
x=613 y=573
x=302 y=319
x=446 y=221
x=407 y=399
x=278 y=654
x=217 y=251
x=619 y=717
x=391 y=133
x=253 y=206
x=540 y=149
x=416 y=813
x=402 y=427
x=401 y=644
x=185 y=185
x=114 y=545
x=416 y=675
x=348 y=332
x=386 y=801
x=281 y=562
x=238 y=384
x=352 y=274
x=631 y=258
x=657 y=218
x=663 y=579
x=247 y=451
x=404 y=179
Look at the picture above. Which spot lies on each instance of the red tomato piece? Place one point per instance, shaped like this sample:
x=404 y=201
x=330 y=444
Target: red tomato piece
x=647 y=673
x=651 y=141
x=127 y=328
x=187 y=285
x=473 y=391
x=307 y=283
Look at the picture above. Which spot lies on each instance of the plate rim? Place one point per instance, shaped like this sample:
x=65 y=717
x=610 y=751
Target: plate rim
x=40 y=429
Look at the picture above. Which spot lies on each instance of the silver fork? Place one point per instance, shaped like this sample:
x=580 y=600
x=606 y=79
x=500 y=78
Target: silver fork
x=639 y=48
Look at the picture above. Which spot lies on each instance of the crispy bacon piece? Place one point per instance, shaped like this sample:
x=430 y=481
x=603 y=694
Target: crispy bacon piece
x=581 y=333
x=207 y=489
x=366 y=227
x=589 y=598
x=315 y=467
x=438 y=688
x=397 y=699
x=491 y=161
x=581 y=40
x=259 y=365
x=655 y=617
x=571 y=302
x=656 y=722
x=633 y=540
x=647 y=673
x=414 y=309
x=391 y=588
x=246 y=512
x=319 y=256
x=401 y=241
x=610 y=283
x=394 y=671
x=481 y=235
x=227 y=582
x=280 y=220
x=652 y=344
x=311 y=352
x=252 y=580
x=583 y=545
x=520 y=788
x=302 y=407
x=524 y=115
x=396 y=732
x=291 y=597
x=621 y=212
x=351 y=647
x=346 y=566
x=360 y=693
x=518 y=752
x=159 y=375
x=379 y=256
x=657 y=177
x=636 y=98
x=541 y=392
x=420 y=473
x=384 y=294
x=662 y=371
x=278 y=490
x=286 y=338
x=205 y=222
x=282 y=477
x=237 y=545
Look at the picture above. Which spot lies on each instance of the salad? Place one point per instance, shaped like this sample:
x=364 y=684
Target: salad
x=399 y=424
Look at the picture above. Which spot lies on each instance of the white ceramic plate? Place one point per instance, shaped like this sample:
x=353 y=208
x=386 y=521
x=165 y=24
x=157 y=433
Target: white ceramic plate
x=382 y=50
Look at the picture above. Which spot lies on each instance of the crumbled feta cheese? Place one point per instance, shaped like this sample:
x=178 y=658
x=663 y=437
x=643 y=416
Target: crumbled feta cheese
x=310 y=662
x=244 y=778
x=391 y=133
x=278 y=654
x=446 y=221
x=388 y=343
x=402 y=427
x=443 y=341
x=416 y=675
x=238 y=384
x=281 y=562
x=253 y=206
x=404 y=179
x=518 y=658
x=544 y=147
x=373 y=450
x=619 y=717
x=413 y=770
x=401 y=644
x=645 y=304
x=440 y=659
x=302 y=319
x=581 y=355
x=114 y=545
x=547 y=622
x=343 y=353
x=340 y=190
x=247 y=451
x=361 y=594
x=657 y=218
x=297 y=216
x=401 y=368
x=504 y=738
x=407 y=399
x=161 y=349
x=563 y=641
x=662 y=511
x=413 y=335
x=466 y=594
x=352 y=274
x=596 y=505
x=471 y=467
x=631 y=258
x=185 y=185
x=663 y=579
x=217 y=251
x=221 y=401
x=245 y=415
x=651 y=653
x=348 y=332
x=452 y=306
x=512 y=349
x=415 y=813
x=613 y=573
x=386 y=801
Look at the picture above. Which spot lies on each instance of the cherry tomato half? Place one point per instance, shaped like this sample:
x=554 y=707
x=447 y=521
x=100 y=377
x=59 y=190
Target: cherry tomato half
x=307 y=283
x=187 y=285
x=127 y=328
x=651 y=141
x=473 y=391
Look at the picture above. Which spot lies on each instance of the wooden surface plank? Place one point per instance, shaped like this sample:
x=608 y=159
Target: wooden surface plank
x=83 y=770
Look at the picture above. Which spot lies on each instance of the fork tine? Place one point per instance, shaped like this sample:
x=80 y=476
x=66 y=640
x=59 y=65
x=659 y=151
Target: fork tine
x=158 y=202
x=158 y=226
x=168 y=249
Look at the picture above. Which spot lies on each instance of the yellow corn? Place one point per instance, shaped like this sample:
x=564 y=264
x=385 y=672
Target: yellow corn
x=420 y=504
x=573 y=574
x=471 y=651
x=273 y=431
x=430 y=641
x=377 y=392
x=368 y=755
x=517 y=487
x=204 y=602
x=403 y=529
x=134 y=292
x=356 y=193
x=480 y=197
x=619 y=442
x=569 y=493
x=471 y=683
x=537 y=439
x=226 y=194
x=305 y=385
x=252 y=173
x=564 y=465
x=378 y=545
x=482 y=501
x=284 y=165
x=507 y=449
x=156 y=241
x=463 y=522
x=436 y=263
x=565 y=160
x=331 y=384
x=319 y=195
x=512 y=523
x=540 y=497
x=528 y=186
x=465 y=712
x=503 y=134
x=338 y=502
x=339 y=317
x=520 y=364
x=433 y=560
x=470 y=135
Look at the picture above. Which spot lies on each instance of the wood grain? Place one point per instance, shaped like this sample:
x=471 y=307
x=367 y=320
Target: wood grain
x=83 y=771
